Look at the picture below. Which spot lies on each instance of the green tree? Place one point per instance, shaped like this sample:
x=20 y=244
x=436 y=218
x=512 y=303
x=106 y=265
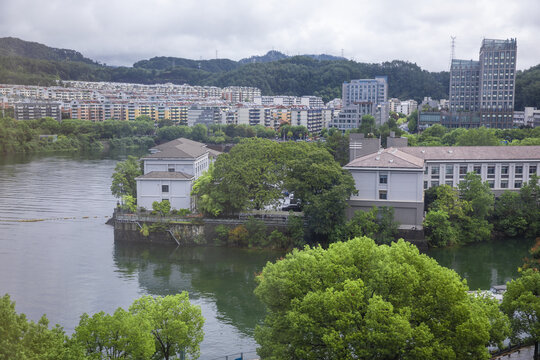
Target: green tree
x=439 y=229
x=477 y=137
x=124 y=175
x=358 y=300
x=377 y=224
x=521 y=303
x=117 y=336
x=367 y=125
x=163 y=207
x=23 y=339
x=176 y=325
x=508 y=215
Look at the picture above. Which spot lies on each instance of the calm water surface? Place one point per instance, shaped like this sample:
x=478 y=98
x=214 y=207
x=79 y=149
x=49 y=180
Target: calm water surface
x=67 y=262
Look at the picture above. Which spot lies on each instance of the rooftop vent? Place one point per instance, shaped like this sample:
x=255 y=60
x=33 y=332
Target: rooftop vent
x=377 y=158
x=391 y=160
x=450 y=151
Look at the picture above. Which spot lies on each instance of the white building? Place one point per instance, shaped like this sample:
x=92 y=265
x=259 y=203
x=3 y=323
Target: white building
x=529 y=117
x=169 y=172
x=397 y=176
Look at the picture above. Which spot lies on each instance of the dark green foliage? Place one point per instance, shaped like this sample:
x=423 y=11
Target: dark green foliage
x=10 y=46
x=521 y=303
x=518 y=214
x=528 y=88
x=377 y=224
x=32 y=64
x=257 y=232
x=458 y=217
x=254 y=174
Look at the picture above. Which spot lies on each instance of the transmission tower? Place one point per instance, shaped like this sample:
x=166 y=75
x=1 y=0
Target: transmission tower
x=453 y=50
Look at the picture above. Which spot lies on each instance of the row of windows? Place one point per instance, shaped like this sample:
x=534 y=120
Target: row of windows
x=491 y=183
x=463 y=170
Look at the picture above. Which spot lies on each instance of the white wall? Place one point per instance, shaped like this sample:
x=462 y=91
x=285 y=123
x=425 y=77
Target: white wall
x=149 y=191
x=401 y=185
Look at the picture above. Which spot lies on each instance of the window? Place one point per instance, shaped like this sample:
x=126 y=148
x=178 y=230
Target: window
x=425 y=184
x=491 y=184
x=165 y=188
x=170 y=168
x=449 y=182
x=504 y=184
x=383 y=179
x=462 y=170
x=435 y=171
x=517 y=184
x=449 y=171
x=434 y=183
x=478 y=169
x=519 y=170
x=504 y=171
x=382 y=194
x=532 y=169
x=491 y=171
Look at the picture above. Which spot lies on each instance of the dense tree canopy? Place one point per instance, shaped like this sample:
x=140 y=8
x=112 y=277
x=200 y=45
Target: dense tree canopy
x=358 y=300
x=256 y=173
x=521 y=303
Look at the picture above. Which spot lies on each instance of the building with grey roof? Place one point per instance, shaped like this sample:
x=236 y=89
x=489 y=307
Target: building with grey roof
x=397 y=177
x=170 y=170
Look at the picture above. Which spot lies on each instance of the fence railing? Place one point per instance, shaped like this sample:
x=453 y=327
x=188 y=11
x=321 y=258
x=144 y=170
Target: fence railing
x=251 y=355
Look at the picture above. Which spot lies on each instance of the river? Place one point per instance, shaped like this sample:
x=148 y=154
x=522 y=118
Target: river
x=58 y=257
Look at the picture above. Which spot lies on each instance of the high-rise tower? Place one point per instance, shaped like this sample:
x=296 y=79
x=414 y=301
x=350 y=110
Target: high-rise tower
x=482 y=92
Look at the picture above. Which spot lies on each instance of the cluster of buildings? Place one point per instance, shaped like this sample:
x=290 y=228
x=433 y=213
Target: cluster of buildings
x=181 y=104
x=482 y=92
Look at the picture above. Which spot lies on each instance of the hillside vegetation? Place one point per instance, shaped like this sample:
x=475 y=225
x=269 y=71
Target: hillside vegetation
x=28 y=63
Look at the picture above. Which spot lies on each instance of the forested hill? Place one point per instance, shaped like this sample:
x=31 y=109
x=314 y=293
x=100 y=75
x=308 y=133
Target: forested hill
x=10 y=46
x=299 y=75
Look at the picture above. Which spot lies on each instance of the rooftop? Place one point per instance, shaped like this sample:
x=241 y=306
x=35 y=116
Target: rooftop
x=388 y=158
x=474 y=152
x=160 y=175
x=180 y=148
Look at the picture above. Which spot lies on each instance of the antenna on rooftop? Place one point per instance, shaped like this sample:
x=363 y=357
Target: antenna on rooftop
x=453 y=50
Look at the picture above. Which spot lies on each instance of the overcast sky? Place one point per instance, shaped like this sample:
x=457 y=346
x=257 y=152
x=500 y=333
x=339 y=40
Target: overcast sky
x=120 y=32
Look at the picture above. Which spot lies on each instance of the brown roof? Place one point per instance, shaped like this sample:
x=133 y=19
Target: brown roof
x=155 y=175
x=388 y=158
x=474 y=152
x=180 y=148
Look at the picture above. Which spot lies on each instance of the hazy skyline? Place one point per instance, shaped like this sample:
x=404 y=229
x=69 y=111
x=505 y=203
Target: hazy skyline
x=119 y=32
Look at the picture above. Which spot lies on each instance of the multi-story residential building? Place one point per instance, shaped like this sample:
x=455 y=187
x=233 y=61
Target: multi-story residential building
x=393 y=104
x=250 y=116
x=37 y=110
x=530 y=116
x=486 y=86
x=206 y=115
x=363 y=97
x=310 y=118
x=407 y=107
x=374 y=91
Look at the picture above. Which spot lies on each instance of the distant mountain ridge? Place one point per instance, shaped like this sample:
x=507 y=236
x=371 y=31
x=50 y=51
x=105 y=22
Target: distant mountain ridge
x=10 y=46
x=30 y=63
x=274 y=55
